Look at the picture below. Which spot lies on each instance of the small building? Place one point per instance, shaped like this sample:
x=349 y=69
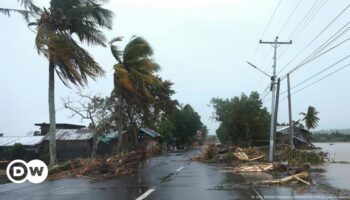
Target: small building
x=32 y=146
x=300 y=138
x=147 y=134
x=45 y=127
x=71 y=143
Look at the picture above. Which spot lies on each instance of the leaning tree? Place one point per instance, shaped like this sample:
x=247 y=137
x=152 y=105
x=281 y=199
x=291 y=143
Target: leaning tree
x=134 y=77
x=56 y=27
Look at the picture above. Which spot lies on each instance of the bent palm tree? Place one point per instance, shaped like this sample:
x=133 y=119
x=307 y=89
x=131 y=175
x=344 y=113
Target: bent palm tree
x=310 y=118
x=55 y=27
x=133 y=75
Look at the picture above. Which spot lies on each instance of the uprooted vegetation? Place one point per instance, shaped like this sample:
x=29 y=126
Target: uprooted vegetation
x=211 y=153
x=299 y=157
x=294 y=157
x=116 y=165
x=291 y=166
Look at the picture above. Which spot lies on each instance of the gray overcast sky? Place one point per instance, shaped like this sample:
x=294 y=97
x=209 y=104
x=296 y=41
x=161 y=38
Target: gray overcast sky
x=202 y=46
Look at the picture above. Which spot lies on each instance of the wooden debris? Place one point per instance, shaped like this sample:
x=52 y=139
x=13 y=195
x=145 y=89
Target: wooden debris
x=299 y=177
x=120 y=164
x=301 y=180
x=253 y=168
x=241 y=156
x=256 y=158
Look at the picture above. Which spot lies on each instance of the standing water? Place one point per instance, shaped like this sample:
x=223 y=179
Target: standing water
x=337 y=174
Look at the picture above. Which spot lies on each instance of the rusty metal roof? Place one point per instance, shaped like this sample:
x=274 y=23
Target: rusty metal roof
x=72 y=134
x=6 y=141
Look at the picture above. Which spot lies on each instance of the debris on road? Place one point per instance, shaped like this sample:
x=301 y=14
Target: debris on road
x=119 y=164
x=253 y=168
x=300 y=177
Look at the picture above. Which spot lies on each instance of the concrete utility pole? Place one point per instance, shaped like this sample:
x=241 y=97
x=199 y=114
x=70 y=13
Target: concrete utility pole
x=291 y=133
x=274 y=44
x=276 y=112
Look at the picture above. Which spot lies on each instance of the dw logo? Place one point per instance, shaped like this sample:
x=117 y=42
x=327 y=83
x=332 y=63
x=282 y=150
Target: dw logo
x=35 y=171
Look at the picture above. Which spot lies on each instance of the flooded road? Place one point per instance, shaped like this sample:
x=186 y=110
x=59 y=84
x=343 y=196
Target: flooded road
x=337 y=174
x=170 y=176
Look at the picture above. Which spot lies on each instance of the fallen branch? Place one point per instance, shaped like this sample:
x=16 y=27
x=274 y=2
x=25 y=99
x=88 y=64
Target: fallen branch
x=299 y=177
x=257 y=158
x=301 y=180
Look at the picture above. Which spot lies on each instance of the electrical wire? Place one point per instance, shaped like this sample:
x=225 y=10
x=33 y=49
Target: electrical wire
x=317 y=36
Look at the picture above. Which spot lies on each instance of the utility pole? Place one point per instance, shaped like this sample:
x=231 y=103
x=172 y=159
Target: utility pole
x=274 y=44
x=291 y=133
x=276 y=112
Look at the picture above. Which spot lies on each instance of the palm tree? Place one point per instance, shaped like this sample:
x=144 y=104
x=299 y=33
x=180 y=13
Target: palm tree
x=55 y=27
x=310 y=118
x=133 y=75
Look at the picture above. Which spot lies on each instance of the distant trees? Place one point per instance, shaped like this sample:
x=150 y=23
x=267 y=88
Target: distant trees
x=310 y=118
x=243 y=120
x=182 y=125
x=334 y=136
x=55 y=29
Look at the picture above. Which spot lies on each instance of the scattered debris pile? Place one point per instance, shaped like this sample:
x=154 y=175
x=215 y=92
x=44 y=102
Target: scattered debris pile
x=297 y=157
x=209 y=152
x=291 y=166
x=213 y=153
x=120 y=164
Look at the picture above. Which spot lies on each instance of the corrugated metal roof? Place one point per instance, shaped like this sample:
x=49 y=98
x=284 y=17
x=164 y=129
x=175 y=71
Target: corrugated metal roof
x=72 y=134
x=150 y=132
x=6 y=141
x=280 y=128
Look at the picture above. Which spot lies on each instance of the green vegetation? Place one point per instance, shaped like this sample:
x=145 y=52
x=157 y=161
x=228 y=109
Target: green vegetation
x=244 y=120
x=56 y=29
x=140 y=95
x=182 y=125
x=299 y=157
x=330 y=137
x=310 y=118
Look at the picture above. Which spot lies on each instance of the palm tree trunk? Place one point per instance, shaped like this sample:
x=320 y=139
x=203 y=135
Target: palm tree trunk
x=120 y=127
x=52 y=113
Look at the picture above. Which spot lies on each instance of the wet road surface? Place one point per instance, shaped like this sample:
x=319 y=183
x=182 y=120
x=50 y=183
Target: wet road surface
x=170 y=176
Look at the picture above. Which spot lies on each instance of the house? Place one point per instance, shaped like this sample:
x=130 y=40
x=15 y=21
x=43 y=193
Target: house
x=45 y=128
x=71 y=143
x=300 y=136
x=32 y=146
x=147 y=134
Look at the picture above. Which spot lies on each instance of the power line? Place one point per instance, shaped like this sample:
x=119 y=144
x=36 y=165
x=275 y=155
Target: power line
x=345 y=66
x=328 y=50
x=318 y=35
x=273 y=15
x=325 y=44
x=263 y=34
x=267 y=26
x=307 y=19
x=289 y=17
x=318 y=73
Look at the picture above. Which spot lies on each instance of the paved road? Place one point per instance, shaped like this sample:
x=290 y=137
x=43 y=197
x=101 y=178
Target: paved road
x=170 y=176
